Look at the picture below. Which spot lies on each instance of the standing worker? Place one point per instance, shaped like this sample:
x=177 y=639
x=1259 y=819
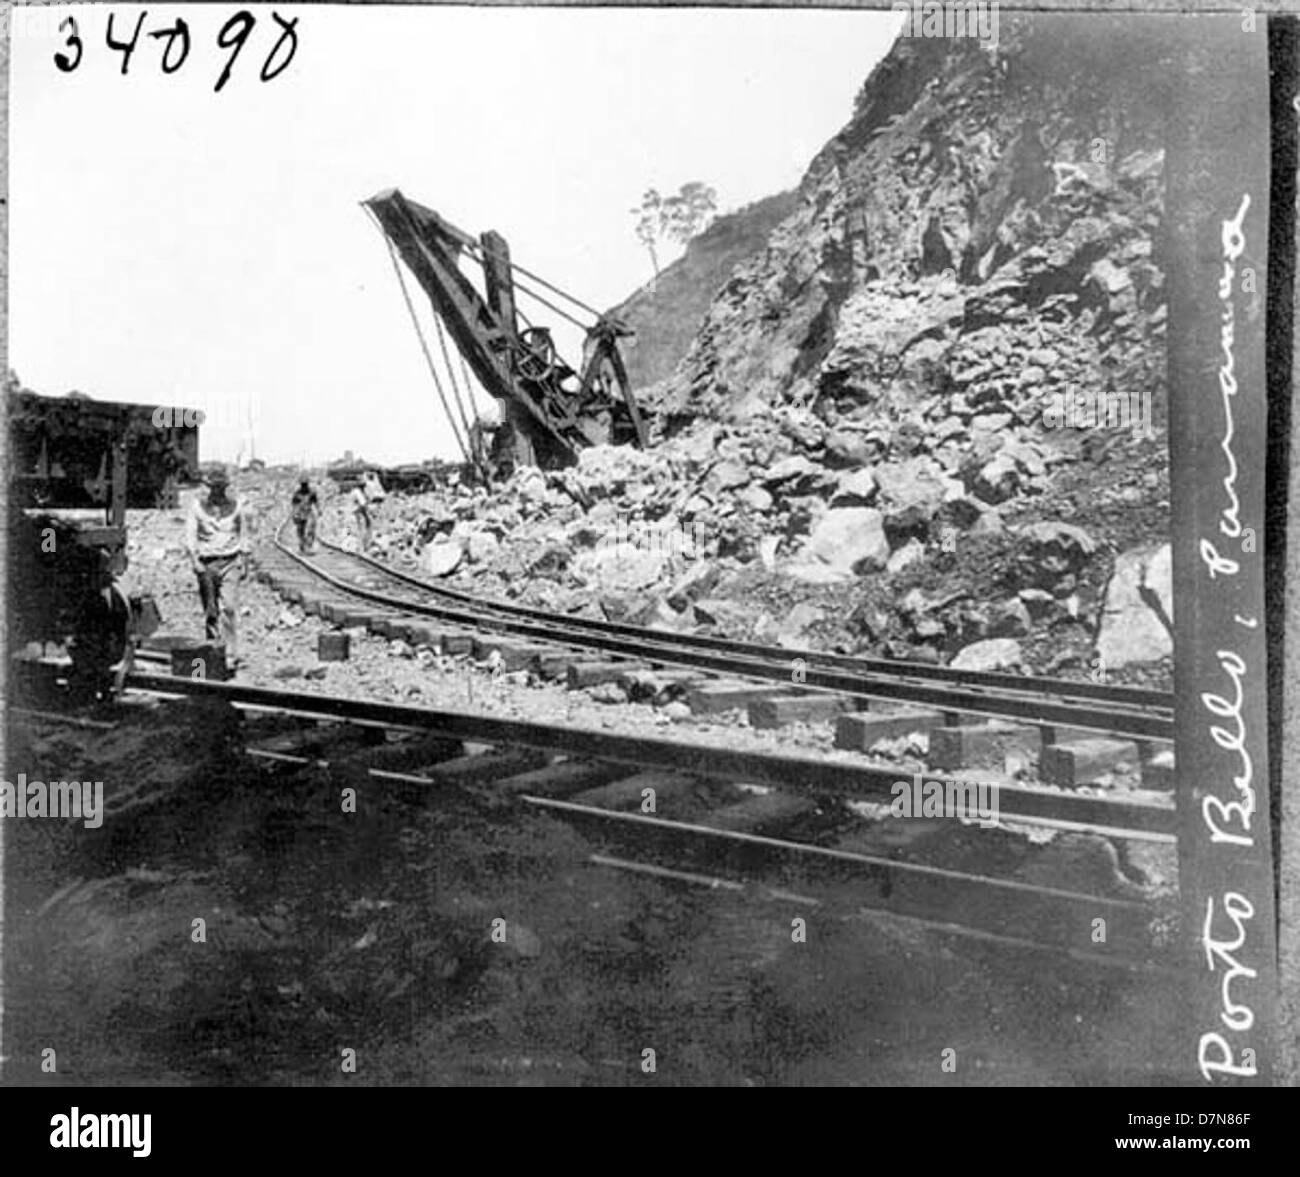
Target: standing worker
x=217 y=538
x=305 y=511
x=361 y=513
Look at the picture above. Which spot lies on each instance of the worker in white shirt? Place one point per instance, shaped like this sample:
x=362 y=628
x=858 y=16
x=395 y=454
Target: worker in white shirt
x=217 y=537
x=360 y=503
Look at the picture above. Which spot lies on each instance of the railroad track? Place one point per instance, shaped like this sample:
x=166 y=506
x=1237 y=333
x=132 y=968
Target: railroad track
x=1077 y=730
x=798 y=828
x=404 y=598
x=786 y=827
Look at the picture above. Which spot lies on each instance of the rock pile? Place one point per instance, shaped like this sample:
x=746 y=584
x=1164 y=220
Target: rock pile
x=930 y=412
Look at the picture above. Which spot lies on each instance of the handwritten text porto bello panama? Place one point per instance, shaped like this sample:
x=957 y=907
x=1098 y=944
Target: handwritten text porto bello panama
x=1229 y=822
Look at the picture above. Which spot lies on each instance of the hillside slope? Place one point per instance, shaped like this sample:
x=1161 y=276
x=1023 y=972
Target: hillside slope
x=1032 y=174
x=926 y=418
x=665 y=314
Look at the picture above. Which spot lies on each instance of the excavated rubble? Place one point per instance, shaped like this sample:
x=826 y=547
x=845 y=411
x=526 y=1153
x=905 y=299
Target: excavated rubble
x=926 y=421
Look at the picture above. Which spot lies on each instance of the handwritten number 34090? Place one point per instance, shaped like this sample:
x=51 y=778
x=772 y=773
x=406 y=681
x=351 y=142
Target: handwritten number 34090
x=176 y=48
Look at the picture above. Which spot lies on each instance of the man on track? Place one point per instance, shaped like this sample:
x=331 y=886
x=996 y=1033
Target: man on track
x=217 y=536
x=304 y=509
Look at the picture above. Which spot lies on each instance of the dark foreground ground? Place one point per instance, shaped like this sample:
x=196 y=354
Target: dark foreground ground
x=371 y=932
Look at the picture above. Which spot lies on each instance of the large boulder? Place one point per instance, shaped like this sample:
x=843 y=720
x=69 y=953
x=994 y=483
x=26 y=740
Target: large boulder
x=724 y=612
x=1010 y=619
x=550 y=561
x=482 y=546
x=1052 y=555
x=997 y=480
x=755 y=498
x=1064 y=537
x=857 y=488
x=441 y=557
x=804 y=429
x=529 y=485
x=796 y=475
x=699 y=578
x=697 y=446
x=1136 y=623
x=849 y=540
x=849 y=447
x=622 y=567
x=990 y=654
x=912 y=551
x=793 y=627
x=606 y=471
x=910 y=493
x=729 y=474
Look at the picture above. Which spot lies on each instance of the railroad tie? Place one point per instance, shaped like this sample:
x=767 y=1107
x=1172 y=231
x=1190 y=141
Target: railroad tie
x=628 y=792
x=858 y=731
x=359 y=617
x=760 y=812
x=485 y=767
x=716 y=697
x=452 y=642
x=590 y=674
x=419 y=633
x=984 y=745
x=561 y=779
x=1085 y=762
x=416 y=752
x=384 y=625
x=319 y=741
x=514 y=655
x=781 y=710
x=554 y=664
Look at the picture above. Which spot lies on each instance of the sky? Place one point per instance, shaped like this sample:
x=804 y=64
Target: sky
x=170 y=244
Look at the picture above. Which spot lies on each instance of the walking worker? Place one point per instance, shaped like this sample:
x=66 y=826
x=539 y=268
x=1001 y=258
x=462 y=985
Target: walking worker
x=360 y=503
x=217 y=534
x=304 y=509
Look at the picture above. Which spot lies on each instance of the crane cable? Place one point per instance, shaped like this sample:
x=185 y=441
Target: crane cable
x=556 y=290
x=477 y=457
x=552 y=307
x=477 y=251
x=469 y=384
x=424 y=347
x=473 y=402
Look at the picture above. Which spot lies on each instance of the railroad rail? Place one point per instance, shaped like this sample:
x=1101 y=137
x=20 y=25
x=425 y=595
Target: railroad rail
x=1046 y=702
x=737 y=819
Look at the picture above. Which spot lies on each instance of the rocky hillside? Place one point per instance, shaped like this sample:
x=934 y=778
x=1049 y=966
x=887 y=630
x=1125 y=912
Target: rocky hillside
x=665 y=314
x=906 y=425
x=1030 y=177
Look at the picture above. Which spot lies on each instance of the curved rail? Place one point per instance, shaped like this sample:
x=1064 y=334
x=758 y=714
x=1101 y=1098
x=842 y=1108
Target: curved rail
x=1135 y=697
x=1054 y=702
